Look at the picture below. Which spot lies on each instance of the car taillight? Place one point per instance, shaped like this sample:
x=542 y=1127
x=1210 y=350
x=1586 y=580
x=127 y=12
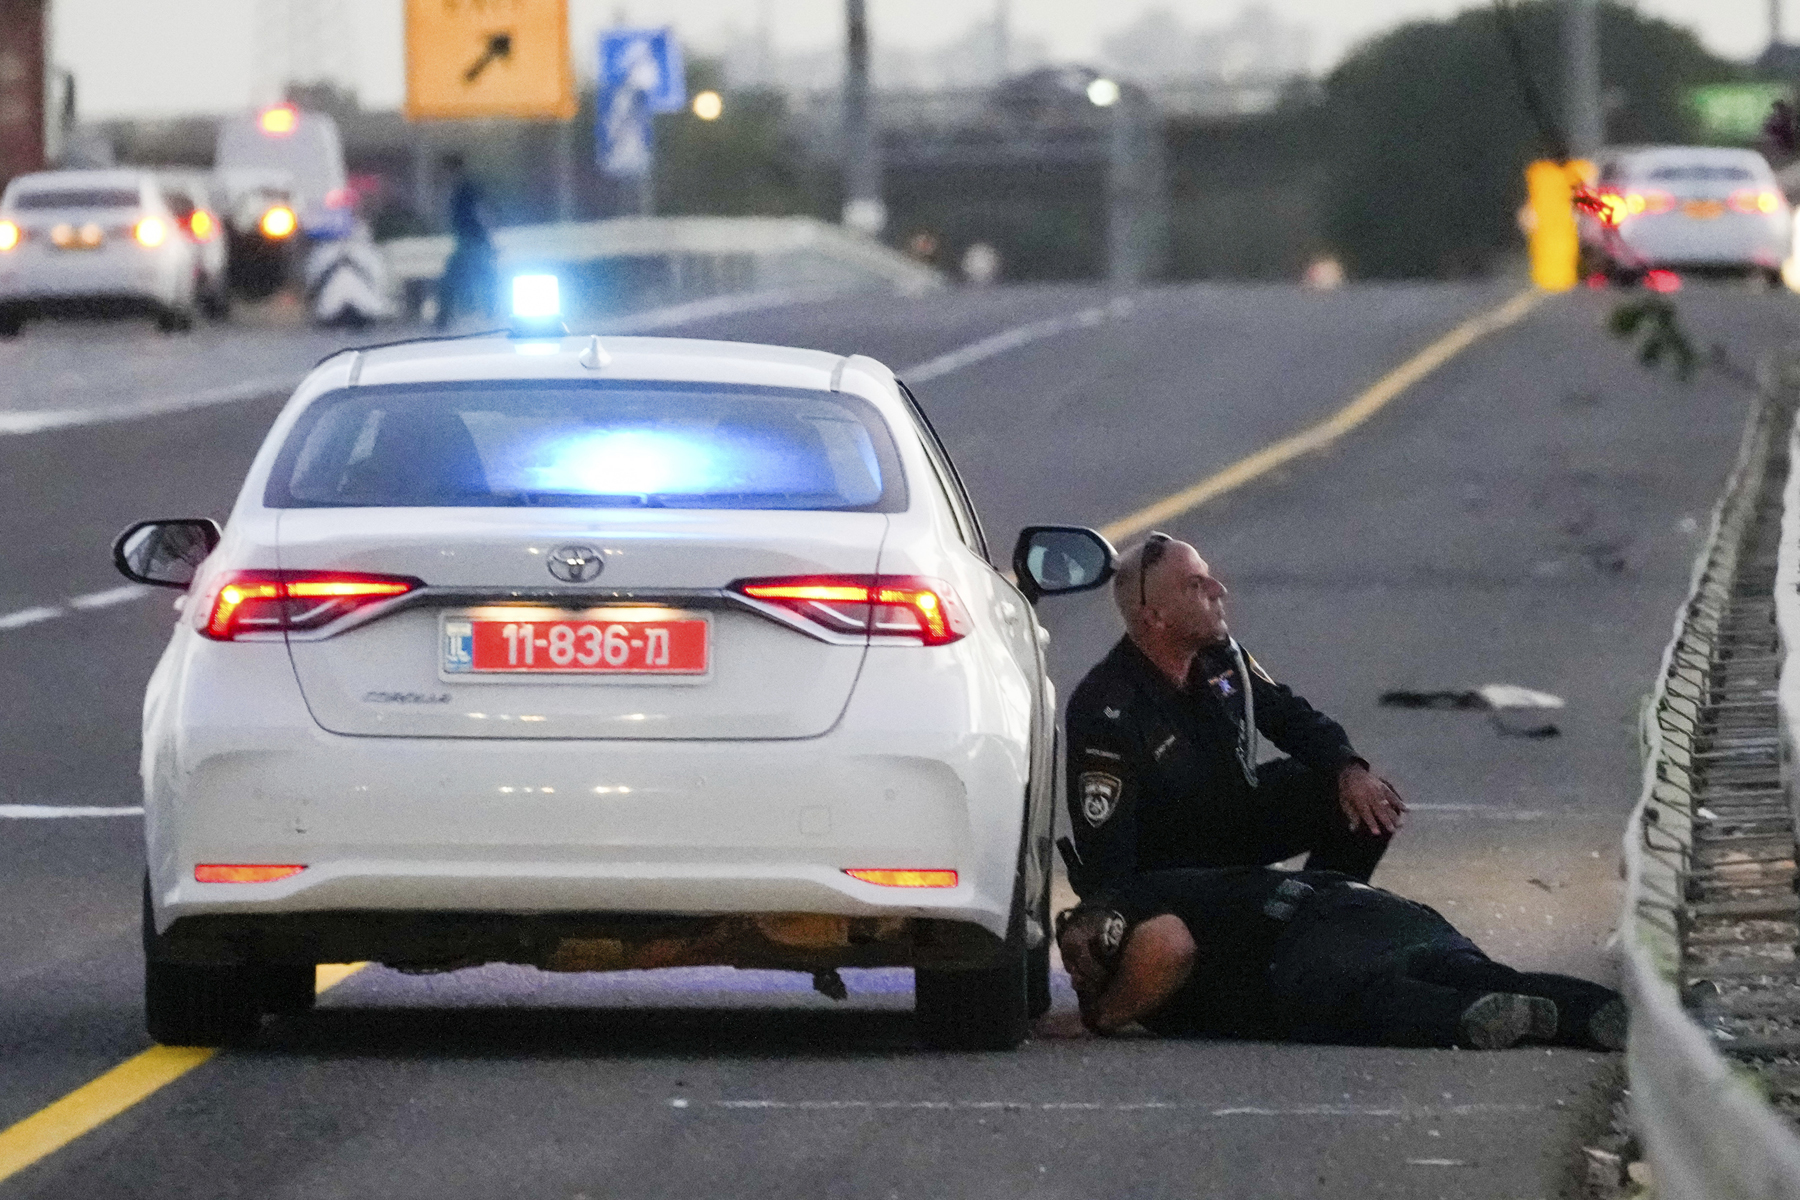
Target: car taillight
x=1748 y=201
x=150 y=232
x=200 y=223
x=279 y=222
x=907 y=606
x=9 y=235
x=1658 y=202
x=275 y=601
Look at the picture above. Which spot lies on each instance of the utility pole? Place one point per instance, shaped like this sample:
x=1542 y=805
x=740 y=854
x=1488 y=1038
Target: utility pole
x=864 y=210
x=1774 y=23
x=22 y=91
x=1581 y=38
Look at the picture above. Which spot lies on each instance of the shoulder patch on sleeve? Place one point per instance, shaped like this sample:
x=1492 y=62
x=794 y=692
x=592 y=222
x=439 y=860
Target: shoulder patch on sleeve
x=1099 y=796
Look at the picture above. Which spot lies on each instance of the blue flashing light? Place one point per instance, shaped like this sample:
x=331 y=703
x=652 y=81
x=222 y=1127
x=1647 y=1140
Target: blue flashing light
x=536 y=297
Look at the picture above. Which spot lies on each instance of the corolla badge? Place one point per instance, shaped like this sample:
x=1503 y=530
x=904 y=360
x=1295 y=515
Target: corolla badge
x=576 y=564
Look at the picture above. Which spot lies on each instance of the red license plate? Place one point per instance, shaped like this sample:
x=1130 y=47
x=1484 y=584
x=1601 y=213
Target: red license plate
x=589 y=646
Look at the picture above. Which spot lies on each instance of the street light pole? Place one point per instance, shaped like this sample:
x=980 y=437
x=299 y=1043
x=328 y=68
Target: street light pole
x=863 y=207
x=1581 y=36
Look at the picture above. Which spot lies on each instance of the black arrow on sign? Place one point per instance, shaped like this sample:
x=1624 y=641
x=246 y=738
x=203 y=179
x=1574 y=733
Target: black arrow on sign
x=499 y=46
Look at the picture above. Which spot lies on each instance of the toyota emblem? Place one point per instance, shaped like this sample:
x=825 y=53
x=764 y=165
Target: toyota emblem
x=576 y=564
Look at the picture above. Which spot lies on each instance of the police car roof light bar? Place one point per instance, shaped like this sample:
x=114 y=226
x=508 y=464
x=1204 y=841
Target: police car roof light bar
x=537 y=306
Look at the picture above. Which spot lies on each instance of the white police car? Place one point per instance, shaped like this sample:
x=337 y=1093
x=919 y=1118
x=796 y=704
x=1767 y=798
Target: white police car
x=596 y=653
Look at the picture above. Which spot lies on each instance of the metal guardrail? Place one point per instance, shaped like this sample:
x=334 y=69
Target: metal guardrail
x=732 y=254
x=1704 y=1122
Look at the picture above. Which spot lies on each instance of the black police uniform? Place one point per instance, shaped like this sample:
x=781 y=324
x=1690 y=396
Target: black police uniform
x=1317 y=956
x=1163 y=777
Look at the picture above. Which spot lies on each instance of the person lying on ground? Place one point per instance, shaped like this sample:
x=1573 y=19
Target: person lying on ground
x=1313 y=956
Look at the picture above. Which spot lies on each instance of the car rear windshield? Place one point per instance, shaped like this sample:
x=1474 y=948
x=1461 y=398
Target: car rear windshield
x=1697 y=173
x=77 y=198
x=581 y=445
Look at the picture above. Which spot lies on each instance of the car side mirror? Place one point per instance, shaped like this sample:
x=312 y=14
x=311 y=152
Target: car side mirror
x=1060 y=560
x=165 y=553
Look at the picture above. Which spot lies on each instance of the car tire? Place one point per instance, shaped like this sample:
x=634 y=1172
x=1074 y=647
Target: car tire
x=195 y=1004
x=188 y=1004
x=987 y=1008
x=288 y=988
x=175 y=320
x=215 y=303
x=12 y=323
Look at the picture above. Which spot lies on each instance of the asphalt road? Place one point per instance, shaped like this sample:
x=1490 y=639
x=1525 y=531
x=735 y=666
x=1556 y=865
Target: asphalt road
x=1528 y=515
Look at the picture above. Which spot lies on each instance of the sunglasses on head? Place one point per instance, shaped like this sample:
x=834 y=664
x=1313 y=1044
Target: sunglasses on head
x=1154 y=548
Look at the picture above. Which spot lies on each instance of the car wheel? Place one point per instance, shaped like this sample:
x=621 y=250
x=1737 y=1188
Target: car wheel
x=175 y=320
x=215 y=303
x=12 y=323
x=288 y=988
x=189 y=1004
x=987 y=1008
x=186 y=1004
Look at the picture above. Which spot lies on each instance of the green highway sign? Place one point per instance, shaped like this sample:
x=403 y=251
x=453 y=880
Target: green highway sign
x=1735 y=112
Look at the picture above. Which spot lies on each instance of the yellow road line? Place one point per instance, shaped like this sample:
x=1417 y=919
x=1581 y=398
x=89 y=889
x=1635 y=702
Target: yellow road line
x=1316 y=437
x=99 y=1101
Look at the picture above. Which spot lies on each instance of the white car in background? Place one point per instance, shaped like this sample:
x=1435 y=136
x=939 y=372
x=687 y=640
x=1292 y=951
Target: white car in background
x=1689 y=209
x=600 y=655
x=95 y=243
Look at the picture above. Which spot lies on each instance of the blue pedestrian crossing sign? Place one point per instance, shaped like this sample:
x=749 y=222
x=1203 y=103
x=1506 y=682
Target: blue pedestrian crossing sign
x=641 y=73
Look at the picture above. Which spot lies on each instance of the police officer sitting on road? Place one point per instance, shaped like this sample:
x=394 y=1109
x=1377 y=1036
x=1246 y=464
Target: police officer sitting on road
x=1311 y=956
x=1163 y=739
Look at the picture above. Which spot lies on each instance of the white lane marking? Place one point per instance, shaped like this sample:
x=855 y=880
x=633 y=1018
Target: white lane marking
x=83 y=603
x=1410 y=1112
x=1489 y=812
x=39 y=421
x=1012 y=339
x=40 y=812
x=110 y=597
x=1436 y=1162
x=29 y=616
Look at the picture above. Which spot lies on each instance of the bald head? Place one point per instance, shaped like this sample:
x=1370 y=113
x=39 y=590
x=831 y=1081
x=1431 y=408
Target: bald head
x=1168 y=596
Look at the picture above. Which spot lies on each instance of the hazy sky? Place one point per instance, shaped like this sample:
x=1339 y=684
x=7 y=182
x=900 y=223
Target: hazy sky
x=163 y=57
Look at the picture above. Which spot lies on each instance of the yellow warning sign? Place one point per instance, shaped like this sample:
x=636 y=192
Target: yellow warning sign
x=488 y=58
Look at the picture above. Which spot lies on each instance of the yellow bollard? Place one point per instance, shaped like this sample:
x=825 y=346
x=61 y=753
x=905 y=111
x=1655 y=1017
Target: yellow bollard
x=1549 y=220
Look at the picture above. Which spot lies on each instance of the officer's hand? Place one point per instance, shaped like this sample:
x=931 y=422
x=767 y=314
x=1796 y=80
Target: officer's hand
x=1368 y=802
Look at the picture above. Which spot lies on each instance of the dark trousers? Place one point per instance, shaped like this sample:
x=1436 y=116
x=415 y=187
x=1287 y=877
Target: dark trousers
x=1364 y=966
x=1292 y=810
x=470 y=282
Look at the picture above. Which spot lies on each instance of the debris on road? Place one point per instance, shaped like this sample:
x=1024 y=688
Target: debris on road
x=1513 y=708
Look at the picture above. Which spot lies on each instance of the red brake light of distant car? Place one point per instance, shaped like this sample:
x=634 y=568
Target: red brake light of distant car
x=9 y=235
x=200 y=223
x=244 y=872
x=150 y=232
x=907 y=606
x=1658 y=202
x=340 y=198
x=1662 y=281
x=278 y=120
x=888 y=877
x=279 y=222
x=274 y=601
